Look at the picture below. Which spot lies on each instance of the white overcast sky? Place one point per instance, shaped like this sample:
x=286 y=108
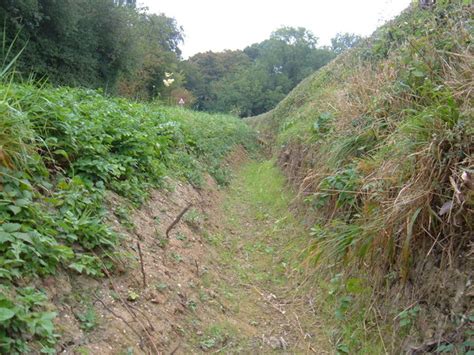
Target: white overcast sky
x=219 y=24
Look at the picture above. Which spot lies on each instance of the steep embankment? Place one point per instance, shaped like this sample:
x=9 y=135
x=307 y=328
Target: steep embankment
x=379 y=145
x=73 y=165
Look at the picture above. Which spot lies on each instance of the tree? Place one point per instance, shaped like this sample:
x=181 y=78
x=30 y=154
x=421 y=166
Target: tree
x=344 y=41
x=290 y=51
x=254 y=80
x=93 y=43
x=296 y=37
x=204 y=69
x=157 y=38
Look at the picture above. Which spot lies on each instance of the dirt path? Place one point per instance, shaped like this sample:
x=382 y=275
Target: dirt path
x=225 y=281
x=250 y=274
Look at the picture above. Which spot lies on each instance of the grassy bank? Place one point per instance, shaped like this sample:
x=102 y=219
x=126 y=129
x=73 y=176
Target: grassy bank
x=379 y=146
x=60 y=151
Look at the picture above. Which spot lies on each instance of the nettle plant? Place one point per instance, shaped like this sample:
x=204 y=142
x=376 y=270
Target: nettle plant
x=38 y=234
x=61 y=149
x=21 y=315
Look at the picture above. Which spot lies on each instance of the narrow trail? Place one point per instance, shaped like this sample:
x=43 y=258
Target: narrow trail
x=250 y=267
x=224 y=280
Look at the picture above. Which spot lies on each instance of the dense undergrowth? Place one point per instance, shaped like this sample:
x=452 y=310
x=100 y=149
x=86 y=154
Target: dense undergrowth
x=380 y=146
x=61 y=149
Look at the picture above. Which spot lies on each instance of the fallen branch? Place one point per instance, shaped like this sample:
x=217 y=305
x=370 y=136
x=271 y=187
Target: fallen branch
x=144 y=315
x=142 y=266
x=197 y=267
x=176 y=220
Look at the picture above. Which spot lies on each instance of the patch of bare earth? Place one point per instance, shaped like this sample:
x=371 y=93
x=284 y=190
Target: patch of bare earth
x=181 y=295
x=137 y=311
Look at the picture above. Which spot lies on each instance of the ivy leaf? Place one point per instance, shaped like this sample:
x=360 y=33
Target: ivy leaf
x=5 y=314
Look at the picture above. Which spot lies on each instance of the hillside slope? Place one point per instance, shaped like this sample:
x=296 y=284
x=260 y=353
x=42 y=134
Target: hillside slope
x=72 y=161
x=379 y=145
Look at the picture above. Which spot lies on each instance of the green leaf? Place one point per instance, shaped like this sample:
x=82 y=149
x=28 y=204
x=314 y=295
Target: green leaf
x=45 y=322
x=418 y=73
x=11 y=227
x=5 y=237
x=14 y=209
x=405 y=322
x=4 y=273
x=22 y=202
x=77 y=267
x=5 y=314
x=132 y=296
x=444 y=348
x=23 y=236
x=342 y=349
x=61 y=152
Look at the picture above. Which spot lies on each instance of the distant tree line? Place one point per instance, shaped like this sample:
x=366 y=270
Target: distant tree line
x=254 y=80
x=114 y=45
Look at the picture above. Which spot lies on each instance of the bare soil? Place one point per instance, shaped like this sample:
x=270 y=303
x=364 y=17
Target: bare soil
x=206 y=289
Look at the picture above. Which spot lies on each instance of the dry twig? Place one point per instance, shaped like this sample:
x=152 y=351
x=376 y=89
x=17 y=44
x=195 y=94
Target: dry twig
x=142 y=266
x=176 y=220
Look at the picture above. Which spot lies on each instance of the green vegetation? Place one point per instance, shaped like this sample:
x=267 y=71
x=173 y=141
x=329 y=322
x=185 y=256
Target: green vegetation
x=21 y=314
x=379 y=145
x=61 y=150
x=105 y=44
x=253 y=263
x=254 y=80
x=273 y=250
x=88 y=319
x=217 y=336
x=128 y=51
x=376 y=241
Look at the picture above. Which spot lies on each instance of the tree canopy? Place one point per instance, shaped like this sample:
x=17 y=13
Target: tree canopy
x=127 y=51
x=344 y=41
x=254 y=80
x=93 y=43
